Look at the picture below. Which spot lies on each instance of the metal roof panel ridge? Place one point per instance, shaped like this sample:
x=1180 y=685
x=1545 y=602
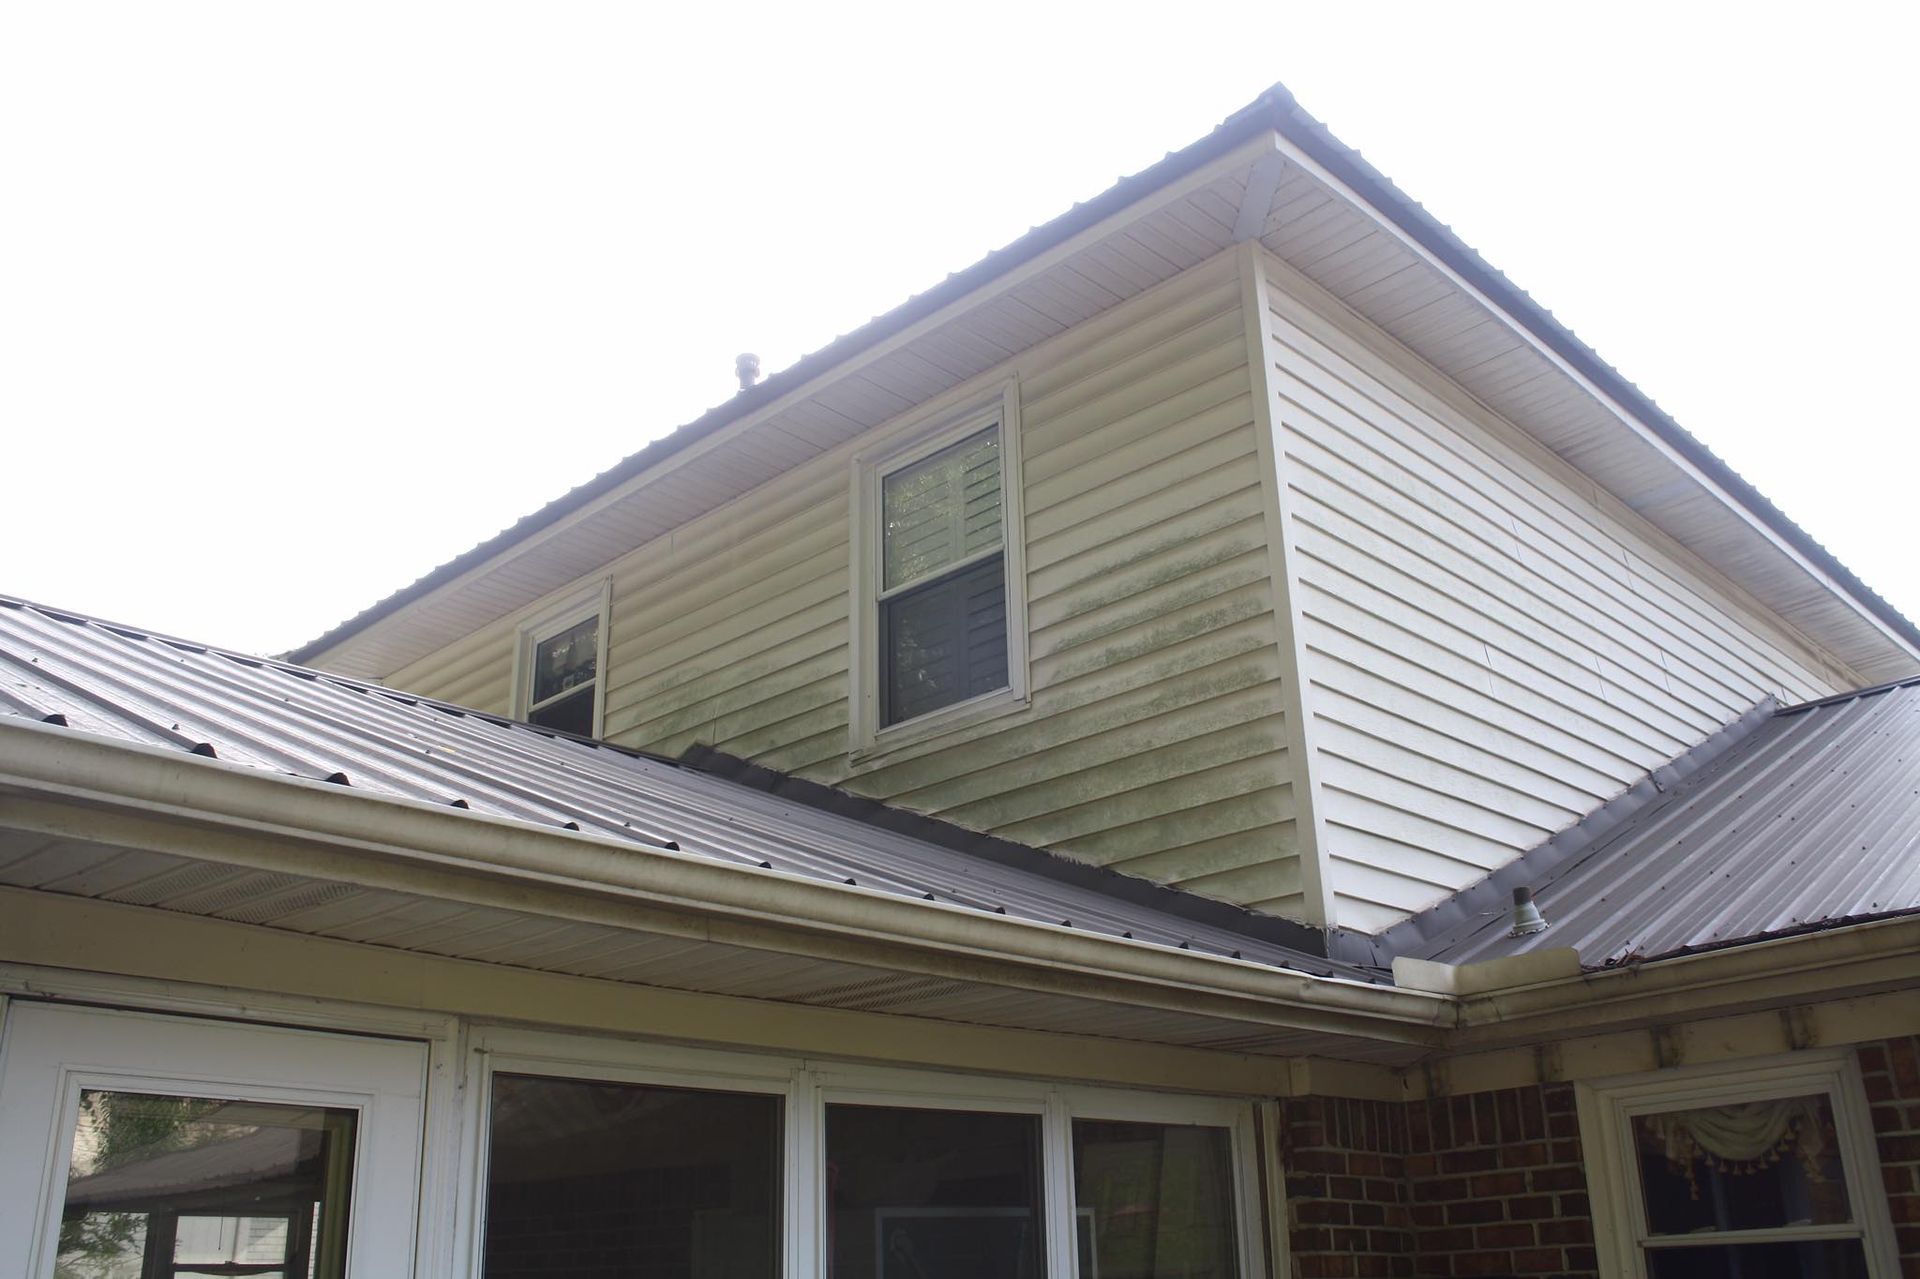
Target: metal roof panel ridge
x=1791 y=820
x=67 y=672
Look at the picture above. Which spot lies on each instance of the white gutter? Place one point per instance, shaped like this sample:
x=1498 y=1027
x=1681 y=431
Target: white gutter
x=78 y=786
x=1540 y=1000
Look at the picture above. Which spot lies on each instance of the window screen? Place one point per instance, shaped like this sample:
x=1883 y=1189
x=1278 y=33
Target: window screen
x=943 y=606
x=596 y=1180
x=560 y=690
x=1155 y=1201
x=933 y=1194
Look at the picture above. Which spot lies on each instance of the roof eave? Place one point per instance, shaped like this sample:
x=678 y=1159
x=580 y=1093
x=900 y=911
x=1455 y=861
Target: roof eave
x=1275 y=113
x=231 y=815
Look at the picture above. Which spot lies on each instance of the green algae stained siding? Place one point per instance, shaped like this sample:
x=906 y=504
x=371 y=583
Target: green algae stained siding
x=1154 y=741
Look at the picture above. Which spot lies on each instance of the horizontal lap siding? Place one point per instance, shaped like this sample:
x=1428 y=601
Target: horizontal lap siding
x=1154 y=743
x=1490 y=654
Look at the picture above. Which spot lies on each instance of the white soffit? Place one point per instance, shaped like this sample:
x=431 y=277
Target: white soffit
x=315 y=906
x=1315 y=226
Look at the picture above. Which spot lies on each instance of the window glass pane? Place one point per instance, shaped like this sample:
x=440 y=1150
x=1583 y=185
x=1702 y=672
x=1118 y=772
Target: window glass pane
x=932 y=1194
x=565 y=661
x=1826 y=1259
x=1745 y=1167
x=185 y=1185
x=1155 y=1201
x=944 y=642
x=596 y=1180
x=570 y=714
x=941 y=509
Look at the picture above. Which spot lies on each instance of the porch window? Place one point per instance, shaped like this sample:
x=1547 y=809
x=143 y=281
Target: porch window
x=1743 y=1175
x=165 y=1186
x=595 y=1180
x=1155 y=1201
x=617 y=1158
x=933 y=1194
x=936 y=546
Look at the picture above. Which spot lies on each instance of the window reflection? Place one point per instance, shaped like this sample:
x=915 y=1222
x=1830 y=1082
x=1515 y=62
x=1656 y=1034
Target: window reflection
x=1752 y=1166
x=1155 y=1201
x=932 y=1194
x=596 y=1180
x=161 y=1186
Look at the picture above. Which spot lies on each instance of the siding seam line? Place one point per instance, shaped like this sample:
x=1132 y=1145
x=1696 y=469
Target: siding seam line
x=1309 y=822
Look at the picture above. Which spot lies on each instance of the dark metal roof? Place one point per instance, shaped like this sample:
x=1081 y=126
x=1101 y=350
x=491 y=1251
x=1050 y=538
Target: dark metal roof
x=1790 y=820
x=121 y=682
x=1275 y=111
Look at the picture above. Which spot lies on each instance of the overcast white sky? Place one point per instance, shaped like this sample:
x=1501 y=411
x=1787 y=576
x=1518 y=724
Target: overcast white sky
x=297 y=302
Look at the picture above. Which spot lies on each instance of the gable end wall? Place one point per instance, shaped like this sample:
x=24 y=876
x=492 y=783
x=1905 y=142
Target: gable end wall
x=1492 y=648
x=1155 y=741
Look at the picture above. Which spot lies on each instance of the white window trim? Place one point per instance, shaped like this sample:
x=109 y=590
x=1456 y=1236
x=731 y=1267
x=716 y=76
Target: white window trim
x=1606 y=1108
x=807 y=1088
x=595 y=602
x=902 y=446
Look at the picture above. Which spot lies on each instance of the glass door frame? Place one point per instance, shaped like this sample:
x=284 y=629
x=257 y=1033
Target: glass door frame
x=53 y=1052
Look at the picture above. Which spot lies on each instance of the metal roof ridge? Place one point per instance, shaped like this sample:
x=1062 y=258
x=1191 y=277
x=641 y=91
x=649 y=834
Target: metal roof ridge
x=1274 y=109
x=1853 y=695
x=1263 y=112
x=1418 y=933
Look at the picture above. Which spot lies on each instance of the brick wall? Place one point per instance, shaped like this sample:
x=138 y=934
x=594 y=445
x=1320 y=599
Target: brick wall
x=1346 y=1188
x=1496 y=1185
x=1488 y=1184
x=1892 y=1075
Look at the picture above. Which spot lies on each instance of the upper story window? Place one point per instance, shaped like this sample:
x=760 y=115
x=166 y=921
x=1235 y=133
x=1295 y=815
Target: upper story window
x=559 y=679
x=1761 y=1170
x=937 y=555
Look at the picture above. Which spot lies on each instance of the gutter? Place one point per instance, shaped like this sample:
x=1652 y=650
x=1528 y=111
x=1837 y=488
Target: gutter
x=1544 y=996
x=86 y=788
x=74 y=786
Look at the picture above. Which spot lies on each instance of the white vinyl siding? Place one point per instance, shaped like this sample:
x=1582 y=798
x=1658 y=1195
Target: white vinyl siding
x=1491 y=652
x=1154 y=740
x=1490 y=647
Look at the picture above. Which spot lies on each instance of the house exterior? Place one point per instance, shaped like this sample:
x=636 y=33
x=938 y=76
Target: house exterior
x=1039 y=787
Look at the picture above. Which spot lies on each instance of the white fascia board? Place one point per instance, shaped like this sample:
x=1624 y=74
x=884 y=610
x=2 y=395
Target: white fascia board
x=1627 y=419
x=1854 y=959
x=80 y=786
x=1244 y=156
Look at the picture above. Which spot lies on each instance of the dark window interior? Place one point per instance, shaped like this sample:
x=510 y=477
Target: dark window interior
x=933 y=1194
x=1155 y=1201
x=944 y=642
x=593 y=1180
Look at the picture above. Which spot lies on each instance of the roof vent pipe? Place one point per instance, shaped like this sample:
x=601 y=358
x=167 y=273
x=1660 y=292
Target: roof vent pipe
x=746 y=367
x=1527 y=919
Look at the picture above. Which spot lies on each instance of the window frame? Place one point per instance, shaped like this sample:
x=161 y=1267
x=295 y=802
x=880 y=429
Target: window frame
x=808 y=1087
x=897 y=448
x=1608 y=1107
x=596 y=604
